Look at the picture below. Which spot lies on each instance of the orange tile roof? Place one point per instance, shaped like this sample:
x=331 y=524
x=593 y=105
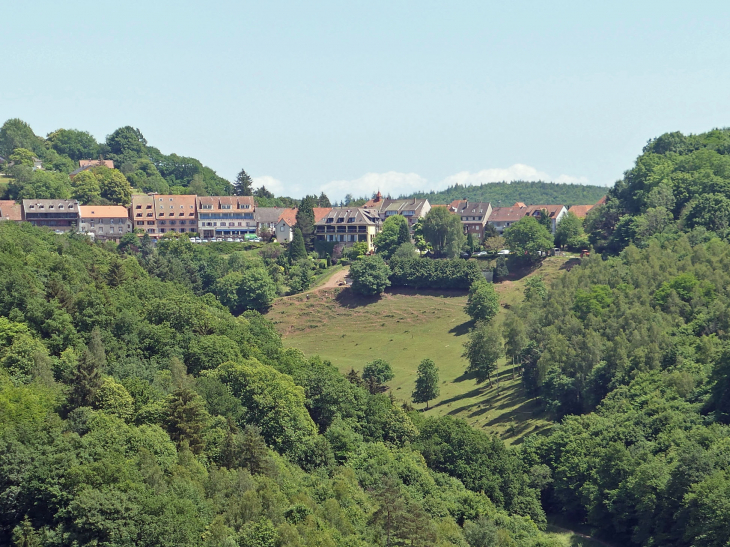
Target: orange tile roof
x=92 y=163
x=320 y=213
x=9 y=210
x=289 y=216
x=580 y=210
x=602 y=201
x=103 y=211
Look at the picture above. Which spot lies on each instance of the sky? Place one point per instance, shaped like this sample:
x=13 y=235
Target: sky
x=351 y=97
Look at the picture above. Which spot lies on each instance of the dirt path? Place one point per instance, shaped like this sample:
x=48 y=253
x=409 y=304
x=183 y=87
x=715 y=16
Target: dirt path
x=333 y=281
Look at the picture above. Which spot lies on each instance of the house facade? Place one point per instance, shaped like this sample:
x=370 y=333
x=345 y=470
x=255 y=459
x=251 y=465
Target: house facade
x=226 y=216
x=473 y=215
x=504 y=217
x=349 y=226
x=288 y=220
x=412 y=209
x=158 y=214
x=57 y=214
x=108 y=222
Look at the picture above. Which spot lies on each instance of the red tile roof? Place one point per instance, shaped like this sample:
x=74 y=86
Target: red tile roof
x=321 y=212
x=289 y=216
x=103 y=211
x=9 y=210
x=580 y=210
x=94 y=163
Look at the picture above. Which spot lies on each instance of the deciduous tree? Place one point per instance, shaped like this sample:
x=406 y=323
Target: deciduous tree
x=427 y=382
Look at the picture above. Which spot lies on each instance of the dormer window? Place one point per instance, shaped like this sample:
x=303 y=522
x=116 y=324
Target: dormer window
x=329 y=220
x=351 y=219
x=226 y=206
x=32 y=206
x=340 y=220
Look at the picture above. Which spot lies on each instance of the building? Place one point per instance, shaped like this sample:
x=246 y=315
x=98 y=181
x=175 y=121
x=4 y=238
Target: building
x=104 y=221
x=284 y=227
x=158 y=214
x=58 y=214
x=89 y=164
x=348 y=226
x=473 y=214
x=581 y=211
x=503 y=217
x=10 y=210
x=266 y=218
x=412 y=209
x=226 y=216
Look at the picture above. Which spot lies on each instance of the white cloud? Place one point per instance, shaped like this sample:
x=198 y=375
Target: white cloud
x=395 y=183
x=392 y=183
x=274 y=185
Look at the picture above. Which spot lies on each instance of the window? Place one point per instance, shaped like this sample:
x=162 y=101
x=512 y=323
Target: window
x=340 y=220
x=148 y=207
x=329 y=220
x=32 y=206
x=226 y=206
x=50 y=206
x=205 y=206
x=60 y=206
x=351 y=219
x=162 y=214
x=149 y=214
x=111 y=230
x=281 y=229
x=140 y=223
x=138 y=207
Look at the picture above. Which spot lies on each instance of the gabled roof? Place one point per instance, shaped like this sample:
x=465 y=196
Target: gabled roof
x=580 y=210
x=289 y=216
x=602 y=201
x=359 y=216
x=96 y=163
x=50 y=205
x=268 y=215
x=235 y=202
x=515 y=213
x=465 y=207
x=10 y=210
x=103 y=211
x=320 y=213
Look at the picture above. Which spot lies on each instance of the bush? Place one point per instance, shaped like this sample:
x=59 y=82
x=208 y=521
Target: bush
x=369 y=275
x=424 y=273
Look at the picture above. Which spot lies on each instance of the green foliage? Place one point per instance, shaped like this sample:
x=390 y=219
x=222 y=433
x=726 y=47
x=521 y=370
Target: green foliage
x=443 y=231
x=569 y=232
x=393 y=234
x=483 y=302
x=75 y=144
x=15 y=133
x=507 y=193
x=527 y=238
x=305 y=220
x=22 y=156
x=501 y=271
x=422 y=273
x=113 y=185
x=297 y=250
x=483 y=349
x=85 y=187
x=427 y=382
x=378 y=371
x=242 y=184
x=369 y=275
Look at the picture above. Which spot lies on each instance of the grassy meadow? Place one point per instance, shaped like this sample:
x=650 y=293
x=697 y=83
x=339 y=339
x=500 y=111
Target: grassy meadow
x=404 y=327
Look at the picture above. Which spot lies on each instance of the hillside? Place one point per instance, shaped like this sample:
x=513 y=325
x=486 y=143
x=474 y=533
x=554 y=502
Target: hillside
x=502 y=194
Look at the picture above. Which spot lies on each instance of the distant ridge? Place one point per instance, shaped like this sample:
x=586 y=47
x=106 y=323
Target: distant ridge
x=507 y=193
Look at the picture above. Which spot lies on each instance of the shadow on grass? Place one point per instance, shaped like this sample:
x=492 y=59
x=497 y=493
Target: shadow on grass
x=350 y=300
x=467 y=395
x=569 y=264
x=464 y=328
x=465 y=376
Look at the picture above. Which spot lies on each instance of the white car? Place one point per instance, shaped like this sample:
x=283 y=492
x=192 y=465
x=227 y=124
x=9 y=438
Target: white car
x=503 y=252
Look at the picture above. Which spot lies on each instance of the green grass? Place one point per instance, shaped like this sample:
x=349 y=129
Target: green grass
x=404 y=327
x=570 y=538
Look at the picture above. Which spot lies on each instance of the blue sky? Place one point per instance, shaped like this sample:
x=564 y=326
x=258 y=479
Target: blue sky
x=354 y=96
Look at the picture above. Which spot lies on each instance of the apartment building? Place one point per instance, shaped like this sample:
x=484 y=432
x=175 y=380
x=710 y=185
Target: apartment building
x=220 y=216
x=108 y=222
x=412 y=209
x=284 y=228
x=57 y=214
x=158 y=214
x=473 y=215
x=349 y=226
x=503 y=217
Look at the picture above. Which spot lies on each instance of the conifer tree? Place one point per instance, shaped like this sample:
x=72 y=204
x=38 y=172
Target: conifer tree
x=297 y=250
x=185 y=419
x=87 y=379
x=305 y=220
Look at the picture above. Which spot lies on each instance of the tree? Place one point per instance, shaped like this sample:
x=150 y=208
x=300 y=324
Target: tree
x=297 y=251
x=394 y=233
x=369 y=275
x=544 y=219
x=113 y=185
x=427 y=382
x=75 y=144
x=185 y=419
x=305 y=220
x=483 y=350
x=126 y=145
x=515 y=337
x=22 y=156
x=323 y=201
x=376 y=374
x=262 y=192
x=242 y=184
x=88 y=379
x=15 y=133
x=256 y=290
x=527 y=238
x=418 y=239
x=391 y=511
x=85 y=187
x=483 y=302
x=443 y=230
x=500 y=269
x=569 y=231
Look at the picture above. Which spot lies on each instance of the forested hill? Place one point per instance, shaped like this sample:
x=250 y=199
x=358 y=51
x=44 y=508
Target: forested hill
x=136 y=410
x=503 y=194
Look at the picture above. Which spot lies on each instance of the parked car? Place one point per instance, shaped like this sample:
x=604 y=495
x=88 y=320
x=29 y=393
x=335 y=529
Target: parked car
x=237 y=240
x=481 y=253
x=204 y=240
x=503 y=252
x=465 y=254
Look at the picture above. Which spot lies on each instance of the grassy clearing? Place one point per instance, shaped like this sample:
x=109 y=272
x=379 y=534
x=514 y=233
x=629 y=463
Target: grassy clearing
x=570 y=538
x=406 y=326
